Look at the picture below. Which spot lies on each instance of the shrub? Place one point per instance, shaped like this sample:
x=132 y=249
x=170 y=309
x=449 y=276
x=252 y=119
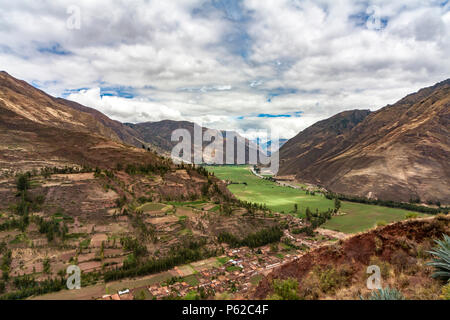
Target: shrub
x=308 y=230
x=385 y=267
x=446 y=292
x=331 y=279
x=422 y=251
x=386 y=294
x=309 y=289
x=411 y=215
x=378 y=245
x=441 y=261
x=402 y=260
x=381 y=223
x=285 y=289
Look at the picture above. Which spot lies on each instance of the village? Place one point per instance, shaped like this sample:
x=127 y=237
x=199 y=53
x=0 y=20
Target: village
x=240 y=272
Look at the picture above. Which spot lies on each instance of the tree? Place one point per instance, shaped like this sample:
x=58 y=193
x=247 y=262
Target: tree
x=6 y=264
x=205 y=189
x=23 y=182
x=295 y=208
x=308 y=214
x=337 y=204
x=46 y=266
x=102 y=251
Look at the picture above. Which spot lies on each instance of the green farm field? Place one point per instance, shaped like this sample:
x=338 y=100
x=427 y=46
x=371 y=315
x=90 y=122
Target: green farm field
x=358 y=217
x=277 y=198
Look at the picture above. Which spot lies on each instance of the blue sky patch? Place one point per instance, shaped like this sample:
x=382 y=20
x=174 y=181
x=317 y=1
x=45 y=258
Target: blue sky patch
x=68 y=92
x=54 y=48
x=123 y=92
x=362 y=18
x=268 y=115
x=43 y=84
x=295 y=114
x=279 y=92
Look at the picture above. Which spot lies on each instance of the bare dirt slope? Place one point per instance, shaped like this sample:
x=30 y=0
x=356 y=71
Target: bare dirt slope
x=37 y=130
x=339 y=271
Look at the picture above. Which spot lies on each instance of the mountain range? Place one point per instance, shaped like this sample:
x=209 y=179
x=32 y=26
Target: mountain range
x=159 y=135
x=400 y=152
x=37 y=129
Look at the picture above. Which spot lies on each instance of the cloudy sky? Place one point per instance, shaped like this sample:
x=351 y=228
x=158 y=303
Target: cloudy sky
x=228 y=64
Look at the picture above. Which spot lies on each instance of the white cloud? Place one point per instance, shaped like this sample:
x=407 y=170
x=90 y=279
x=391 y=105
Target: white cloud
x=128 y=110
x=212 y=62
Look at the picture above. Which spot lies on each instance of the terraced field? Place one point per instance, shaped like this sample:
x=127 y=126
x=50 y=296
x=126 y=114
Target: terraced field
x=357 y=217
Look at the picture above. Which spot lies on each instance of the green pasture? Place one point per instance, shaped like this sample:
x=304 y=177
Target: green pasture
x=277 y=198
x=357 y=217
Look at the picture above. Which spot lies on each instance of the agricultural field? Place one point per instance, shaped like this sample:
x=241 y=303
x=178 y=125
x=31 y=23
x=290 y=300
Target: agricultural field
x=248 y=187
x=360 y=217
x=356 y=216
x=151 y=207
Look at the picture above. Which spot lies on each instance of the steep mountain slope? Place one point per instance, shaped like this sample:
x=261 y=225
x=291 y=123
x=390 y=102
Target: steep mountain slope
x=35 y=105
x=159 y=135
x=125 y=133
x=25 y=108
x=318 y=140
x=37 y=130
x=399 y=152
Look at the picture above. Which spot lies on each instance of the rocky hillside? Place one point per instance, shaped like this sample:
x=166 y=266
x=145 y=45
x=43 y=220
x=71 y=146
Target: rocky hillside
x=29 y=114
x=317 y=140
x=37 y=130
x=338 y=271
x=123 y=132
x=400 y=152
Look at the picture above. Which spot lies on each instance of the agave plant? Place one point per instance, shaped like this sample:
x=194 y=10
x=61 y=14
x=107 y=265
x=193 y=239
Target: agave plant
x=441 y=261
x=386 y=294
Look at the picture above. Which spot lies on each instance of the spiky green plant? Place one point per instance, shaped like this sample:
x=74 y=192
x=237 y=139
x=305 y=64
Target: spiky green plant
x=441 y=261
x=386 y=294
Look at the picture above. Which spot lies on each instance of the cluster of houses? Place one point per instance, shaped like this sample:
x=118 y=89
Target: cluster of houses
x=235 y=276
x=120 y=295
